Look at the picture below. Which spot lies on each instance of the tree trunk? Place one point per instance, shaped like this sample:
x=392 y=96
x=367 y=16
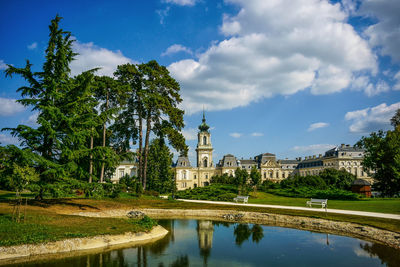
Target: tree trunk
x=146 y=149
x=140 y=153
x=91 y=159
x=104 y=145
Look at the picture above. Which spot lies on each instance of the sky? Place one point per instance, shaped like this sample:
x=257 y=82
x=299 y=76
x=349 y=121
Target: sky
x=293 y=78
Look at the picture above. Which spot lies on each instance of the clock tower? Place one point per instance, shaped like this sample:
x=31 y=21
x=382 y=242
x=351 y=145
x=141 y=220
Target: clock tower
x=204 y=147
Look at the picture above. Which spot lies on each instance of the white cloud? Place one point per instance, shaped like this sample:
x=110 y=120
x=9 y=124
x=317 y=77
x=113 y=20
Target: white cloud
x=32 y=46
x=385 y=33
x=32 y=119
x=235 y=135
x=313 y=149
x=91 y=56
x=3 y=65
x=317 y=125
x=380 y=87
x=181 y=2
x=275 y=47
x=176 y=48
x=371 y=119
x=163 y=13
x=190 y=133
x=256 y=134
x=8 y=140
x=9 y=107
x=397 y=84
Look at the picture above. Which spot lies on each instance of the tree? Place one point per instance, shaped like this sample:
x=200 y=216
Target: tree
x=241 y=177
x=255 y=177
x=112 y=97
x=382 y=156
x=395 y=120
x=340 y=179
x=159 y=173
x=152 y=107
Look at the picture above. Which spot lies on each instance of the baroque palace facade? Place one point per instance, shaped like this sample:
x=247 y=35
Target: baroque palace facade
x=187 y=176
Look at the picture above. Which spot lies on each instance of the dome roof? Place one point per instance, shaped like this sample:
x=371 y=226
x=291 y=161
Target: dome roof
x=203 y=126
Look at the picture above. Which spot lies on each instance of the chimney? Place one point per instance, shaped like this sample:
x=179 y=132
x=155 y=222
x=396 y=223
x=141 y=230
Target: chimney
x=299 y=158
x=320 y=156
x=342 y=145
x=314 y=156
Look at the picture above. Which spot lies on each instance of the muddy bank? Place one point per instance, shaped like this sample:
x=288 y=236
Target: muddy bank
x=305 y=223
x=29 y=252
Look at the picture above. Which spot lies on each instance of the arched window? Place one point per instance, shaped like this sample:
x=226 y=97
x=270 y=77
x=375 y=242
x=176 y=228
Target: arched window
x=204 y=140
x=205 y=163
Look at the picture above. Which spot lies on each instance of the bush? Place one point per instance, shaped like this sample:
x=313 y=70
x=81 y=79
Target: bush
x=212 y=192
x=307 y=192
x=311 y=181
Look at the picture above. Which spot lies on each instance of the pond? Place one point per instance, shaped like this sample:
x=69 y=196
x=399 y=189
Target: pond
x=210 y=243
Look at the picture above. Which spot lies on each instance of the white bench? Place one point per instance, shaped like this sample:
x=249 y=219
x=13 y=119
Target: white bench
x=241 y=198
x=315 y=201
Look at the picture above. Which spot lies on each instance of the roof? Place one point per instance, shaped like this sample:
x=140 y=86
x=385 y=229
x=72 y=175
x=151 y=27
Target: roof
x=183 y=162
x=228 y=160
x=203 y=126
x=360 y=182
x=288 y=161
x=247 y=161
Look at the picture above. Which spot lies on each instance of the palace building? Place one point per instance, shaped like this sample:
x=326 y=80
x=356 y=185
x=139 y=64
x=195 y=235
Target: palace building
x=188 y=176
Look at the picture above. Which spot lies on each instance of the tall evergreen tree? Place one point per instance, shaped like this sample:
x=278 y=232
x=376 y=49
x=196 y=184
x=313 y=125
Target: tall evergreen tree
x=159 y=173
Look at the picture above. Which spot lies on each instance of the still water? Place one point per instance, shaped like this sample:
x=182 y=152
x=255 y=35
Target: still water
x=210 y=243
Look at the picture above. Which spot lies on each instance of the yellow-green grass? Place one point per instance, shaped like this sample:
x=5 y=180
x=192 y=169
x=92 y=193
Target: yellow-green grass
x=383 y=205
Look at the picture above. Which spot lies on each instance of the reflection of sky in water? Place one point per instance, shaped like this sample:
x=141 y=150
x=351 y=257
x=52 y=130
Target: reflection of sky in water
x=232 y=245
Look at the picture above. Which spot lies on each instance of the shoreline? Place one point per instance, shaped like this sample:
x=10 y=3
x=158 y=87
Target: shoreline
x=364 y=232
x=29 y=252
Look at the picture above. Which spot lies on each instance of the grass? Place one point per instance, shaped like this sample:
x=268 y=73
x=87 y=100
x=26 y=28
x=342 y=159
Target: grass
x=383 y=205
x=45 y=226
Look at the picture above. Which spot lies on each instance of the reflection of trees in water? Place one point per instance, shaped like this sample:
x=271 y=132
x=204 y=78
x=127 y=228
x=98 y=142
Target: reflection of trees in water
x=386 y=254
x=242 y=232
x=181 y=261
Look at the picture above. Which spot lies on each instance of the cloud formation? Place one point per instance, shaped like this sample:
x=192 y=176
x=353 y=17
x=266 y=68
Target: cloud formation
x=190 y=133
x=3 y=65
x=91 y=56
x=385 y=33
x=8 y=140
x=313 y=149
x=176 y=48
x=9 y=107
x=181 y=2
x=32 y=46
x=371 y=119
x=317 y=125
x=235 y=135
x=256 y=134
x=275 y=47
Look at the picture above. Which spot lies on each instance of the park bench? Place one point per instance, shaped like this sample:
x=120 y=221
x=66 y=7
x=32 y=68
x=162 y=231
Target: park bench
x=315 y=201
x=244 y=199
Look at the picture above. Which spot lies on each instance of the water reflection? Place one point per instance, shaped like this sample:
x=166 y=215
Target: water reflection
x=210 y=243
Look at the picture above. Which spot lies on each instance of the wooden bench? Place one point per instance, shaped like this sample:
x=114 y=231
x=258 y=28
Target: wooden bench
x=315 y=201
x=241 y=198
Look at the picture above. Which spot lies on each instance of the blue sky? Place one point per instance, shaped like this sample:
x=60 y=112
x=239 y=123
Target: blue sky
x=292 y=78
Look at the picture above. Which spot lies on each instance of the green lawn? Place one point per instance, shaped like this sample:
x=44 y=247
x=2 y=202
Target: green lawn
x=384 y=205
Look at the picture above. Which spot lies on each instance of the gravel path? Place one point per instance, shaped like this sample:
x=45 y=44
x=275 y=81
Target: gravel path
x=348 y=212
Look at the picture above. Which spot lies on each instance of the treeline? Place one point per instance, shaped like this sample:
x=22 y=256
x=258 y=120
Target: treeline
x=87 y=124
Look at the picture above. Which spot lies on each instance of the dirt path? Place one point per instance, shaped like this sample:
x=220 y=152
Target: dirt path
x=348 y=212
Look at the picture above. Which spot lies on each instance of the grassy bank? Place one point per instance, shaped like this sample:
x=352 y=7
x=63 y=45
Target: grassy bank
x=383 y=205
x=43 y=226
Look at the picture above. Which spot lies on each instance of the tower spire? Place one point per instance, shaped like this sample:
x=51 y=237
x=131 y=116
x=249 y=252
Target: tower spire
x=203 y=126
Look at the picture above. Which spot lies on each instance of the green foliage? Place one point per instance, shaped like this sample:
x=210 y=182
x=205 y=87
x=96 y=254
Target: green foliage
x=146 y=222
x=255 y=177
x=315 y=182
x=340 y=179
x=212 y=192
x=307 y=192
x=159 y=172
x=383 y=156
x=223 y=179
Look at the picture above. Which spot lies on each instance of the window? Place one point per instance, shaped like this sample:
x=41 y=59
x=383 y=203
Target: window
x=283 y=175
x=195 y=176
x=184 y=185
x=204 y=140
x=121 y=173
x=243 y=167
x=205 y=163
x=271 y=175
x=265 y=175
x=206 y=175
x=277 y=175
x=184 y=175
